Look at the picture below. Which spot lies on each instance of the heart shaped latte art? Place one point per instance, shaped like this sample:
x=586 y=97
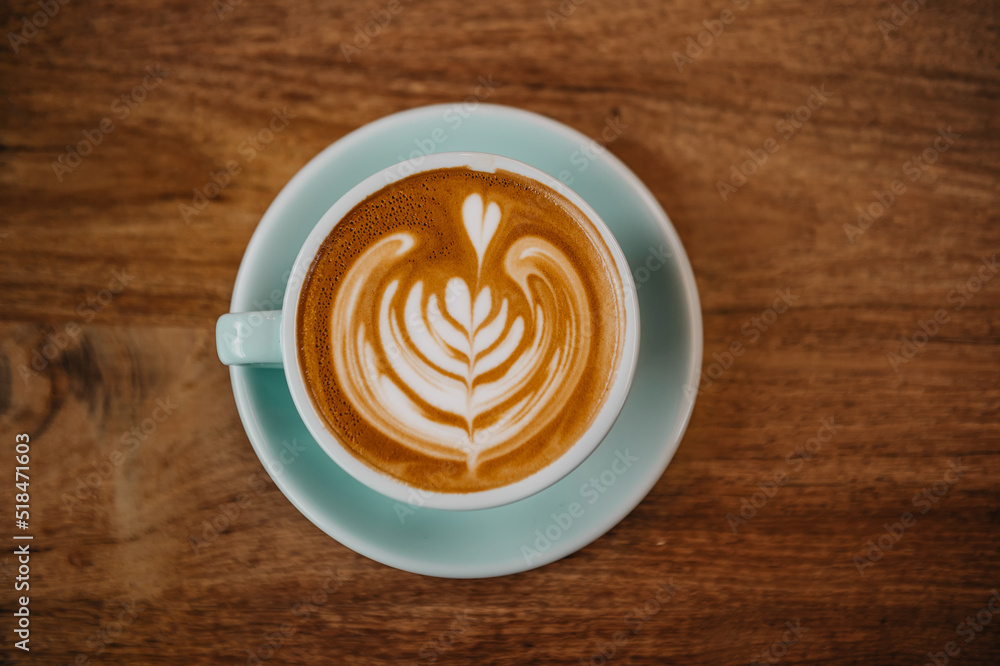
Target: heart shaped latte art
x=461 y=373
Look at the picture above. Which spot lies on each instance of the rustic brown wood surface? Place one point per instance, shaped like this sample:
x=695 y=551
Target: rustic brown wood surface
x=884 y=92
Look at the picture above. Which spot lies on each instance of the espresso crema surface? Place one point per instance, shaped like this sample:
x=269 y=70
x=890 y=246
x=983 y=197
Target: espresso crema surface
x=460 y=330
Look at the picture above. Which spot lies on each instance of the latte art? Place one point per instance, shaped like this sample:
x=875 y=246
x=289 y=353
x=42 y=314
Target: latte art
x=460 y=375
x=459 y=330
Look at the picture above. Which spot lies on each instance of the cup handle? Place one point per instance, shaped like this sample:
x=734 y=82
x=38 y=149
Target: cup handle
x=250 y=338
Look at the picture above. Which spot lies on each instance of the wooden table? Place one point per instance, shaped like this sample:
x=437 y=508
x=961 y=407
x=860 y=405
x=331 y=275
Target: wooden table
x=836 y=496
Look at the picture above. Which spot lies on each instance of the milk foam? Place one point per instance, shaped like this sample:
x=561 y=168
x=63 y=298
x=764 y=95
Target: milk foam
x=460 y=330
x=455 y=374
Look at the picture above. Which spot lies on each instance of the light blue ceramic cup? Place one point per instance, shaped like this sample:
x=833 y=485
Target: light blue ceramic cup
x=267 y=338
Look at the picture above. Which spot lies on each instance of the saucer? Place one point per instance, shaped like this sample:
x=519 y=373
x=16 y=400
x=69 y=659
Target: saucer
x=604 y=488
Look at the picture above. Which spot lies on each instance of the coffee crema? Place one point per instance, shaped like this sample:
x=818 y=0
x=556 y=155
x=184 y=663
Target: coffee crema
x=460 y=330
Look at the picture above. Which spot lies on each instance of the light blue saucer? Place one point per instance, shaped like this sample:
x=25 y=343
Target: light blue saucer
x=609 y=484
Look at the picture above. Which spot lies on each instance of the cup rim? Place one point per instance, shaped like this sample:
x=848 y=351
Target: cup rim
x=385 y=483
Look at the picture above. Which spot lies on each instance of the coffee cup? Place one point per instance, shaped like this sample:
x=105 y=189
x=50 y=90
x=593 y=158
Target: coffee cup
x=459 y=331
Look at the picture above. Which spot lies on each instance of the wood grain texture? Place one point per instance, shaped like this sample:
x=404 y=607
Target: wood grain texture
x=62 y=240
